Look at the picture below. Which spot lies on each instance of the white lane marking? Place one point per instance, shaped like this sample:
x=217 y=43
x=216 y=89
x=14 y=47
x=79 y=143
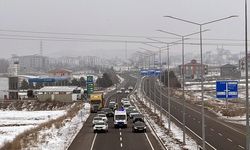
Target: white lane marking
x=119 y=129
x=220 y=134
x=211 y=129
x=229 y=140
x=241 y=146
x=93 y=142
x=120 y=138
x=120 y=134
x=121 y=145
x=149 y=141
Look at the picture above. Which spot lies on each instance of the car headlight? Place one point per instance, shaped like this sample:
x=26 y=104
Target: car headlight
x=135 y=127
x=145 y=127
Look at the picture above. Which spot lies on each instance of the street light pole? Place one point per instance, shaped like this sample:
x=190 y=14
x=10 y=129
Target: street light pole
x=183 y=79
x=202 y=69
x=247 y=94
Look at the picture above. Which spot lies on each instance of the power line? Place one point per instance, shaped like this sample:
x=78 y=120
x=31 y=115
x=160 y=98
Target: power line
x=110 y=35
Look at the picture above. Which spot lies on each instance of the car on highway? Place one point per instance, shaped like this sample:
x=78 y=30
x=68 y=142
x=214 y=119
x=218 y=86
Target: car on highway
x=126 y=91
x=138 y=117
x=120 y=119
x=109 y=112
x=96 y=119
x=112 y=105
x=133 y=113
x=130 y=109
x=130 y=88
x=139 y=126
x=100 y=126
x=118 y=91
x=124 y=99
x=126 y=106
x=103 y=116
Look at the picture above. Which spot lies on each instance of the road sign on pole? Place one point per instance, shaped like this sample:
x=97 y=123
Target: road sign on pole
x=90 y=84
x=226 y=89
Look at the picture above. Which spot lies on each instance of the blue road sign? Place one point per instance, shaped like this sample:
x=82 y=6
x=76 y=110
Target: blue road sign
x=144 y=72
x=226 y=89
x=151 y=73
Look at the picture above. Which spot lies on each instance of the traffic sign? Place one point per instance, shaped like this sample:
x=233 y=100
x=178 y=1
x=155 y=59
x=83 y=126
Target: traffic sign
x=226 y=89
x=90 y=84
x=144 y=72
x=151 y=72
x=90 y=79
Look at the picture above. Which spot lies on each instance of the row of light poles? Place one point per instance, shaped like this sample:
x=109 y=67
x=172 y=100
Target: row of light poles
x=202 y=73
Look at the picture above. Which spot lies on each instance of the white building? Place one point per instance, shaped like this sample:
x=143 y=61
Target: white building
x=4 y=87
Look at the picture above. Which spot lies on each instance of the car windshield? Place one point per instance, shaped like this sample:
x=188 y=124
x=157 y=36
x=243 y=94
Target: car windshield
x=102 y=115
x=139 y=123
x=120 y=117
x=95 y=102
x=100 y=123
x=97 y=118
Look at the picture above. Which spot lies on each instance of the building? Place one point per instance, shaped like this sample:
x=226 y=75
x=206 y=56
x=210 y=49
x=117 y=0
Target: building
x=59 y=93
x=242 y=64
x=4 y=87
x=13 y=87
x=229 y=71
x=192 y=70
x=31 y=63
x=60 y=73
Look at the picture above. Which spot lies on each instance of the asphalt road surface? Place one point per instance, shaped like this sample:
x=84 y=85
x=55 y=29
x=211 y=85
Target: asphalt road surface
x=218 y=134
x=115 y=139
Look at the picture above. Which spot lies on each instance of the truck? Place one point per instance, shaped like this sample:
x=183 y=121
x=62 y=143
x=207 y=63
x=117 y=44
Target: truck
x=120 y=119
x=97 y=101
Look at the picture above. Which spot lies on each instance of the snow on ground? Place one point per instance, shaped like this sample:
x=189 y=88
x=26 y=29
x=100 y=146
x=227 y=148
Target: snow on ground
x=61 y=138
x=13 y=123
x=172 y=140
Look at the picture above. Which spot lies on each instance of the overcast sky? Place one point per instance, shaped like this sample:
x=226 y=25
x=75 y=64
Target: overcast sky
x=113 y=17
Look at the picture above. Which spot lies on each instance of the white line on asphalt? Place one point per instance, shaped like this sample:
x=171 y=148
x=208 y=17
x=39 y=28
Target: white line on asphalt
x=220 y=134
x=120 y=133
x=120 y=138
x=93 y=142
x=241 y=146
x=119 y=129
x=121 y=144
x=211 y=129
x=149 y=141
x=229 y=140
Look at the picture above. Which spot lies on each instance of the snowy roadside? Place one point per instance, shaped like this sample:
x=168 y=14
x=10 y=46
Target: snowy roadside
x=60 y=138
x=12 y=123
x=171 y=139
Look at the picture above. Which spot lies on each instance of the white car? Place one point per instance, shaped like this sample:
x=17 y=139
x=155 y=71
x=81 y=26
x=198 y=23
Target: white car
x=126 y=91
x=118 y=91
x=103 y=116
x=96 y=119
x=124 y=100
x=133 y=113
x=130 y=88
x=100 y=126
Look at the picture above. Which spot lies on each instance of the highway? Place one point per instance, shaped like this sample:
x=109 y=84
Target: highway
x=219 y=134
x=115 y=139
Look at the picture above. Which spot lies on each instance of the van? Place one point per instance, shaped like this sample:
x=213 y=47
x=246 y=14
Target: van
x=120 y=119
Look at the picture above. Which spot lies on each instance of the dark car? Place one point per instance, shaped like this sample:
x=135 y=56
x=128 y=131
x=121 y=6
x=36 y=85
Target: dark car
x=139 y=126
x=108 y=111
x=112 y=105
x=101 y=112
